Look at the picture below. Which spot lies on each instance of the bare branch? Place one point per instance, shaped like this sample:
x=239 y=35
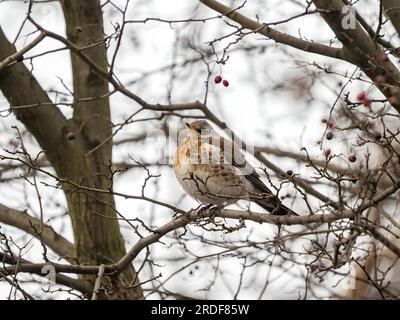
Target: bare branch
x=31 y=225
x=276 y=35
x=17 y=56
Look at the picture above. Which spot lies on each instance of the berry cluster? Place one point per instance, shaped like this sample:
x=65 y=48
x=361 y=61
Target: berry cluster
x=218 y=79
x=352 y=157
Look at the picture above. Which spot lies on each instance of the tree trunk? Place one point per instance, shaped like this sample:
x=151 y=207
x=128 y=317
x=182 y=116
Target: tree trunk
x=97 y=235
x=96 y=230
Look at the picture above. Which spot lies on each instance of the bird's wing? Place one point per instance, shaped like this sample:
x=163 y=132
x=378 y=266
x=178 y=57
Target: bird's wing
x=233 y=155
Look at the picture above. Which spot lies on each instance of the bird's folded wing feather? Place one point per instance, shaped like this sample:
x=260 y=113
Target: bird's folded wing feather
x=234 y=156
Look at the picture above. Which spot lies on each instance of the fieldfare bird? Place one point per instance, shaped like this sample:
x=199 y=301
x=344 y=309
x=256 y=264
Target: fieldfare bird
x=214 y=171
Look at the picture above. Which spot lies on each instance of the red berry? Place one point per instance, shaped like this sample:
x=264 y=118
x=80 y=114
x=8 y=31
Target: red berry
x=367 y=102
x=327 y=152
x=331 y=123
x=361 y=96
x=369 y=125
x=225 y=83
x=352 y=158
x=217 y=79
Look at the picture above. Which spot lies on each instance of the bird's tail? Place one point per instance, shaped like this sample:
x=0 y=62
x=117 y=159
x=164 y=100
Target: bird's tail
x=275 y=207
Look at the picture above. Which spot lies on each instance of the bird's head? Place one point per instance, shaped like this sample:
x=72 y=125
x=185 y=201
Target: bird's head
x=199 y=129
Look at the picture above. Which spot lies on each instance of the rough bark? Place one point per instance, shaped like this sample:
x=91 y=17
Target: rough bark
x=98 y=238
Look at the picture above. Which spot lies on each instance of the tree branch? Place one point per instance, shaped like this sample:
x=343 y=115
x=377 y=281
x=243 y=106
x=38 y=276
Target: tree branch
x=31 y=225
x=360 y=49
x=191 y=216
x=45 y=122
x=18 y=56
x=392 y=10
x=276 y=35
x=97 y=283
x=177 y=223
x=79 y=285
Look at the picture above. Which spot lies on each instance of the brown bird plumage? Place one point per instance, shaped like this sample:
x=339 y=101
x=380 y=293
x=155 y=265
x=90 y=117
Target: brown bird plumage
x=213 y=170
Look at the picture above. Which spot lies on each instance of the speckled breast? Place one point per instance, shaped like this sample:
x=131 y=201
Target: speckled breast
x=205 y=177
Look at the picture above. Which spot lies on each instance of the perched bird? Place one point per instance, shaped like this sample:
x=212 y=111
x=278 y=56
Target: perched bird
x=214 y=171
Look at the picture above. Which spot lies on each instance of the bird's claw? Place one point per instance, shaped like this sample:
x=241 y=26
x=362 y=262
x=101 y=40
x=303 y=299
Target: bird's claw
x=214 y=210
x=211 y=208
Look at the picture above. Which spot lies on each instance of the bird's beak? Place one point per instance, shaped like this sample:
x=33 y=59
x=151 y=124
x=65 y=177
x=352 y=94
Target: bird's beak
x=189 y=126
